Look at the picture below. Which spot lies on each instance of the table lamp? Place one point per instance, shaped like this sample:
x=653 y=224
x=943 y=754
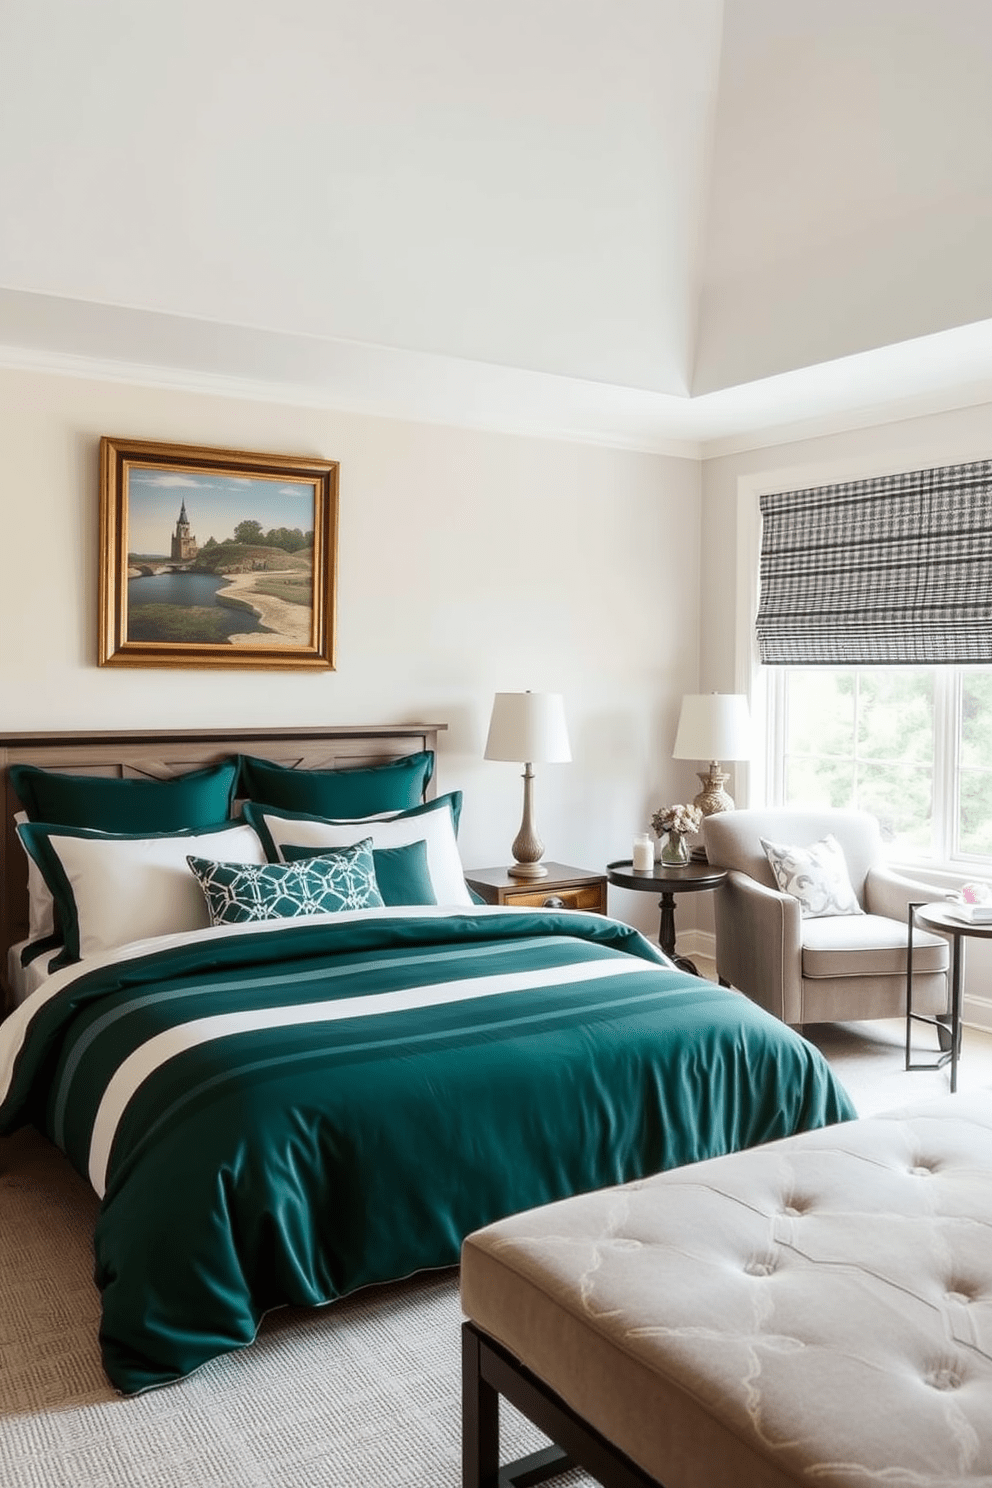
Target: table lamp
x=713 y=726
x=528 y=727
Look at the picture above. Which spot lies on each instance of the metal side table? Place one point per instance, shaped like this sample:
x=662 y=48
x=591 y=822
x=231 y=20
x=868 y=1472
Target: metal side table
x=940 y=917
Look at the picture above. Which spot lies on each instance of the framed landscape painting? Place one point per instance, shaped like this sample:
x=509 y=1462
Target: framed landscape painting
x=216 y=558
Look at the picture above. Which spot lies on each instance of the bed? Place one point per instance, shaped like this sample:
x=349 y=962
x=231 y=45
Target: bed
x=328 y=1086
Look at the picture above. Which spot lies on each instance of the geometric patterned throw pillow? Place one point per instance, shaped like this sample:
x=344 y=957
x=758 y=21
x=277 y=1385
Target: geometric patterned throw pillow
x=239 y=892
x=817 y=876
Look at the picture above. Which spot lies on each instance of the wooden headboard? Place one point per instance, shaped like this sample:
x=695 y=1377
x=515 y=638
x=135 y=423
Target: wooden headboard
x=161 y=754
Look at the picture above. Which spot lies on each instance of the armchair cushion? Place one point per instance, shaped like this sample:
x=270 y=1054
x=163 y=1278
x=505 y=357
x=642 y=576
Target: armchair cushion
x=866 y=945
x=815 y=875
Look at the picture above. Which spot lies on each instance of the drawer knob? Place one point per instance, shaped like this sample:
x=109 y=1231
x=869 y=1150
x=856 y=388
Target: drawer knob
x=553 y=901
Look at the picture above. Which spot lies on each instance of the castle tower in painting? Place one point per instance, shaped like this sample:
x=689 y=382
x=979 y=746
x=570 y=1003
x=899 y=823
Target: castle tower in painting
x=183 y=541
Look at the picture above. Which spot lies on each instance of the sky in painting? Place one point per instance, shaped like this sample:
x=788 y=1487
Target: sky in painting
x=215 y=504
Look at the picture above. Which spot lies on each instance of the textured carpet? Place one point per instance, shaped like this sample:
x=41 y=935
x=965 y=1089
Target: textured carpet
x=362 y=1394
x=365 y=1392
x=870 y=1059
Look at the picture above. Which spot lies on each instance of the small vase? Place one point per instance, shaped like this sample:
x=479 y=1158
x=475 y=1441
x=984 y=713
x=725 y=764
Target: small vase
x=675 y=853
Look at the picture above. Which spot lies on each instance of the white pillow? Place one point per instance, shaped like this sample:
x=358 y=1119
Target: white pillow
x=435 y=828
x=816 y=875
x=130 y=888
x=41 y=906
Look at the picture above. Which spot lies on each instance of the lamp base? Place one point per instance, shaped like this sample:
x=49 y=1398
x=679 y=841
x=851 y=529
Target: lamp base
x=713 y=798
x=527 y=848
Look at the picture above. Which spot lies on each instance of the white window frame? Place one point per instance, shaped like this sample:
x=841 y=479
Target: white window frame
x=944 y=850
x=760 y=782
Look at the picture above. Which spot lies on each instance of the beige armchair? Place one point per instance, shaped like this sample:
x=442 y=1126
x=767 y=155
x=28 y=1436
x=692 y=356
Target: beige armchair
x=812 y=970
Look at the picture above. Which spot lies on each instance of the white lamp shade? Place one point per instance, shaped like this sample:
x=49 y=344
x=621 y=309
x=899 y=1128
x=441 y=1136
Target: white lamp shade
x=713 y=726
x=528 y=727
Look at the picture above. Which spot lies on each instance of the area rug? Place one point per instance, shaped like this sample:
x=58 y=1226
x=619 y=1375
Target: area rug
x=362 y=1394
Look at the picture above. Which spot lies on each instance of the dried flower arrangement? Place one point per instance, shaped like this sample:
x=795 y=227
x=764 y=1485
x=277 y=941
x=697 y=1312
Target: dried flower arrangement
x=679 y=819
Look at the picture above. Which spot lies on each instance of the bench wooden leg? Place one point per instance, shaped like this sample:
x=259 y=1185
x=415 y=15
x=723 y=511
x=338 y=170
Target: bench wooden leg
x=489 y=1371
x=480 y=1431
x=480 y=1419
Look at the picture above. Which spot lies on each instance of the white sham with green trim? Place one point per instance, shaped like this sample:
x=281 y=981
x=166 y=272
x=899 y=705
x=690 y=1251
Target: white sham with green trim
x=110 y=889
x=433 y=824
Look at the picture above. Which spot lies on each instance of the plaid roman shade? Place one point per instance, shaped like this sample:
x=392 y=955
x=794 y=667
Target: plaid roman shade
x=894 y=569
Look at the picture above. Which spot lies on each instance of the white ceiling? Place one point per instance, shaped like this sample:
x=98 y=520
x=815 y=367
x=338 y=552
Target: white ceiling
x=669 y=223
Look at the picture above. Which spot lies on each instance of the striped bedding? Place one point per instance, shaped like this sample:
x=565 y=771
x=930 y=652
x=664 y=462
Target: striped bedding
x=283 y=1113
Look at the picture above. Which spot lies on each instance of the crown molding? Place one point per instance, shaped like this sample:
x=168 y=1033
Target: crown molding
x=113 y=343
x=81 y=339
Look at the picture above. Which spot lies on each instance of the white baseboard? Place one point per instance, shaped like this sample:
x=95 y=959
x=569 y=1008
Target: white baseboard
x=977 y=1012
x=697 y=944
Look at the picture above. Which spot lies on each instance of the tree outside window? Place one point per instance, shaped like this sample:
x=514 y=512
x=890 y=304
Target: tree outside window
x=912 y=745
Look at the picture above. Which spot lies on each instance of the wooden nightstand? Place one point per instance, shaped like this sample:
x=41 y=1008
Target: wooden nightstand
x=562 y=888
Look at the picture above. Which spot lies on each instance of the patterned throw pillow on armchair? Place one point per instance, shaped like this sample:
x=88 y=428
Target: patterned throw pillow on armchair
x=816 y=875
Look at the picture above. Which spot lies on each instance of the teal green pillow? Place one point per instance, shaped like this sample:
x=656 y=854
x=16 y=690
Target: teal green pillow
x=237 y=893
x=343 y=794
x=201 y=798
x=401 y=872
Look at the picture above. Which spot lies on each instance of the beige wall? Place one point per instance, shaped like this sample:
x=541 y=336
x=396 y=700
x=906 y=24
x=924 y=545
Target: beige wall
x=470 y=562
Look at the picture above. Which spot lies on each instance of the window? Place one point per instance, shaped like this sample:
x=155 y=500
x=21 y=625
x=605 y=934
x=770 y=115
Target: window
x=873 y=632
x=913 y=745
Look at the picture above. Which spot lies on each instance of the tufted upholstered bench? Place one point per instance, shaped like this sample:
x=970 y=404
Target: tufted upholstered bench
x=817 y=1311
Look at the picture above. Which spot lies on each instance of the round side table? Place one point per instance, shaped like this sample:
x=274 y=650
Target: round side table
x=942 y=918
x=690 y=879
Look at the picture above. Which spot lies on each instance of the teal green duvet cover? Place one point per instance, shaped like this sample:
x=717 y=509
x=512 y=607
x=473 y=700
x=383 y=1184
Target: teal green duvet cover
x=284 y=1114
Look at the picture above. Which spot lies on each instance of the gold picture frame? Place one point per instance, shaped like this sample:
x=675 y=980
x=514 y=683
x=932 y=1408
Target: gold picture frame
x=258 y=592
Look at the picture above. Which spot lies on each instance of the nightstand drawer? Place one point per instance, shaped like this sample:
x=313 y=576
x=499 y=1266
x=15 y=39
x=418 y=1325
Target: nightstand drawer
x=591 y=897
x=569 y=888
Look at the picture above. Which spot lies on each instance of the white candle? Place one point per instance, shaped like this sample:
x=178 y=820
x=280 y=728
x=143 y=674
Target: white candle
x=643 y=856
